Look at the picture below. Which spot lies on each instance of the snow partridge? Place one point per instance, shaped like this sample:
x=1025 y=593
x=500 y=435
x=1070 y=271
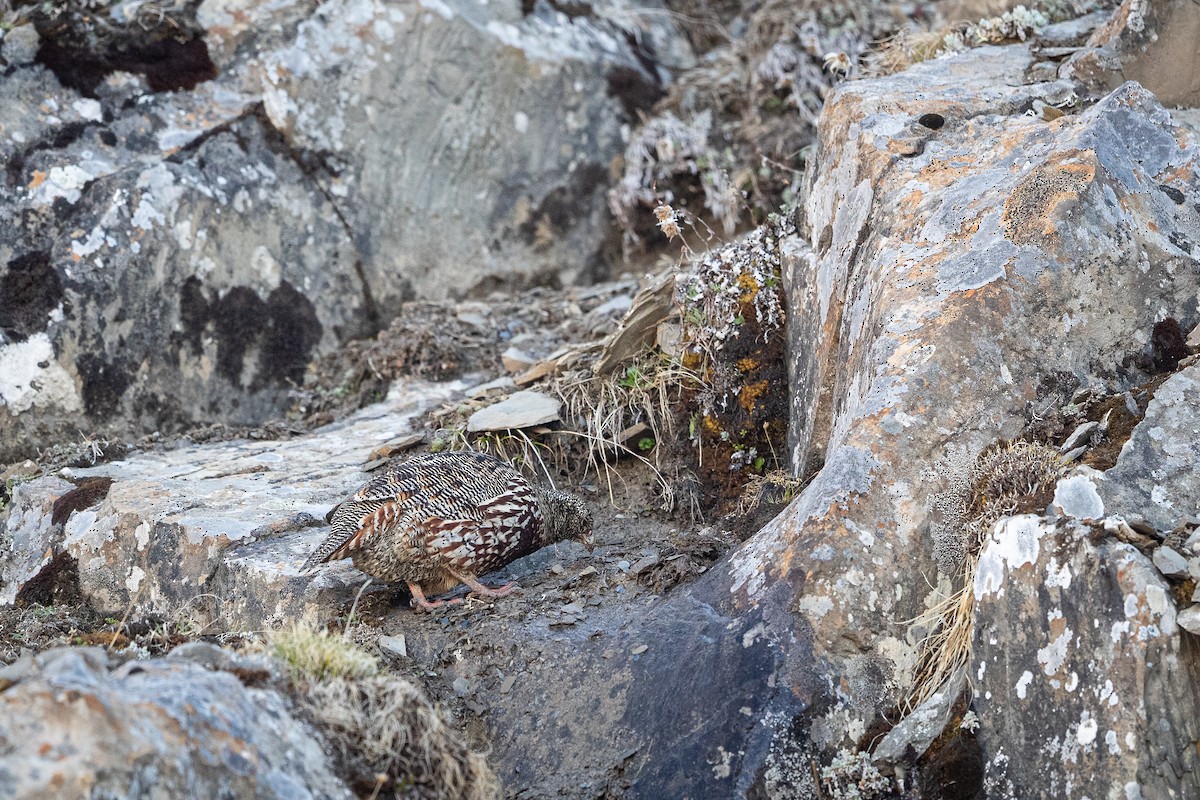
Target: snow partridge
x=441 y=519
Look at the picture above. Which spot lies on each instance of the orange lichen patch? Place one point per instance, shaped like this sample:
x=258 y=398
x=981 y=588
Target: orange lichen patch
x=747 y=364
x=907 y=206
x=941 y=172
x=750 y=394
x=1180 y=176
x=749 y=287
x=39 y=178
x=1031 y=213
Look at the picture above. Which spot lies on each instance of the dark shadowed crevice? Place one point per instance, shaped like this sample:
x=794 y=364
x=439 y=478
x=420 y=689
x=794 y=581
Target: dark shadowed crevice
x=29 y=290
x=82 y=45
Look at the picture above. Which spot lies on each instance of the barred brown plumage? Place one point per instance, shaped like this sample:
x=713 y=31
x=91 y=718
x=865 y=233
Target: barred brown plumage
x=441 y=519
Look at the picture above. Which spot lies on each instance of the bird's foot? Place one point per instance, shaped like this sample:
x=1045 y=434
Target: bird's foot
x=483 y=591
x=430 y=605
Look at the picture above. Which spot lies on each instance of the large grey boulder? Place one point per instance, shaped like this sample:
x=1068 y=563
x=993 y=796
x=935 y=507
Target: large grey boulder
x=1083 y=683
x=1156 y=476
x=180 y=257
x=72 y=728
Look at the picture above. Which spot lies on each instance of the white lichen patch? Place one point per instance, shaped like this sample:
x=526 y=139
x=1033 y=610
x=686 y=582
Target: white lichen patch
x=134 y=581
x=1014 y=542
x=1058 y=577
x=815 y=606
x=754 y=634
x=66 y=182
x=1053 y=655
x=31 y=377
x=1076 y=496
x=1086 y=733
x=1023 y=684
x=722 y=767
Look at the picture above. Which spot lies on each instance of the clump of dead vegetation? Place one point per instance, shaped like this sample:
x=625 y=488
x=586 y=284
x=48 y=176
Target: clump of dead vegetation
x=1006 y=479
x=727 y=143
x=915 y=44
x=692 y=383
x=386 y=734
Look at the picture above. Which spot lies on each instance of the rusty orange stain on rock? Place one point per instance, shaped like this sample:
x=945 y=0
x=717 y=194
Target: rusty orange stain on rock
x=39 y=178
x=1031 y=212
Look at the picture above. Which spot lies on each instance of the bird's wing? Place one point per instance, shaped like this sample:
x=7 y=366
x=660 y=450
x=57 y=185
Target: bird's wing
x=456 y=543
x=465 y=544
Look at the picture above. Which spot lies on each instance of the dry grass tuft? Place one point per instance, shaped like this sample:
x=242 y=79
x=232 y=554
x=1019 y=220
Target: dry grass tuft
x=313 y=655
x=384 y=729
x=946 y=649
x=1005 y=479
x=776 y=487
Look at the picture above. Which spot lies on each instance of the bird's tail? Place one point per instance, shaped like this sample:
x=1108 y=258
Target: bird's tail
x=332 y=543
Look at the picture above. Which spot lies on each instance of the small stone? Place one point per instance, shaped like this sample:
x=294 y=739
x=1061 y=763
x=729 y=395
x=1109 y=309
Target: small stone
x=643 y=564
x=1170 y=563
x=25 y=469
x=1131 y=405
x=501 y=384
x=1189 y=620
x=668 y=338
x=472 y=318
x=557 y=569
x=20 y=45
x=1193 y=338
x=507 y=684
x=396 y=645
x=588 y=570
x=515 y=360
x=461 y=686
x=396 y=446
x=1192 y=545
x=641 y=648
x=519 y=410
x=1142 y=526
x=617 y=305
x=1080 y=436
x=623 y=565
x=1072 y=456
x=1076 y=496
x=573 y=608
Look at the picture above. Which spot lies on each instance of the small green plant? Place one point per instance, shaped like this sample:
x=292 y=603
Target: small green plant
x=646 y=443
x=317 y=655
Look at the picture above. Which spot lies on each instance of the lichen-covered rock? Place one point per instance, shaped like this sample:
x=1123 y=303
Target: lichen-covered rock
x=181 y=256
x=1156 y=475
x=72 y=728
x=943 y=301
x=1083 y=686
x=215 y=534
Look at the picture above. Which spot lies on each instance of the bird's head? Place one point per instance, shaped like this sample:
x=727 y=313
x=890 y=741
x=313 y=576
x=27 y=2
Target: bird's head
x=566 y=517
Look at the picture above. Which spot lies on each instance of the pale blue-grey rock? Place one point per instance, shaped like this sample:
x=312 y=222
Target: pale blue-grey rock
x=1155 y=475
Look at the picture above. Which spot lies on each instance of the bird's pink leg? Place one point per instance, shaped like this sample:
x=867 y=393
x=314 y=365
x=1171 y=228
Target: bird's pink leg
x=479 y=589
x=419 y=596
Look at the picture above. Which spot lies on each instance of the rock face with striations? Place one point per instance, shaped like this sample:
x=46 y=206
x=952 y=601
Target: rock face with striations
x=181 y=256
